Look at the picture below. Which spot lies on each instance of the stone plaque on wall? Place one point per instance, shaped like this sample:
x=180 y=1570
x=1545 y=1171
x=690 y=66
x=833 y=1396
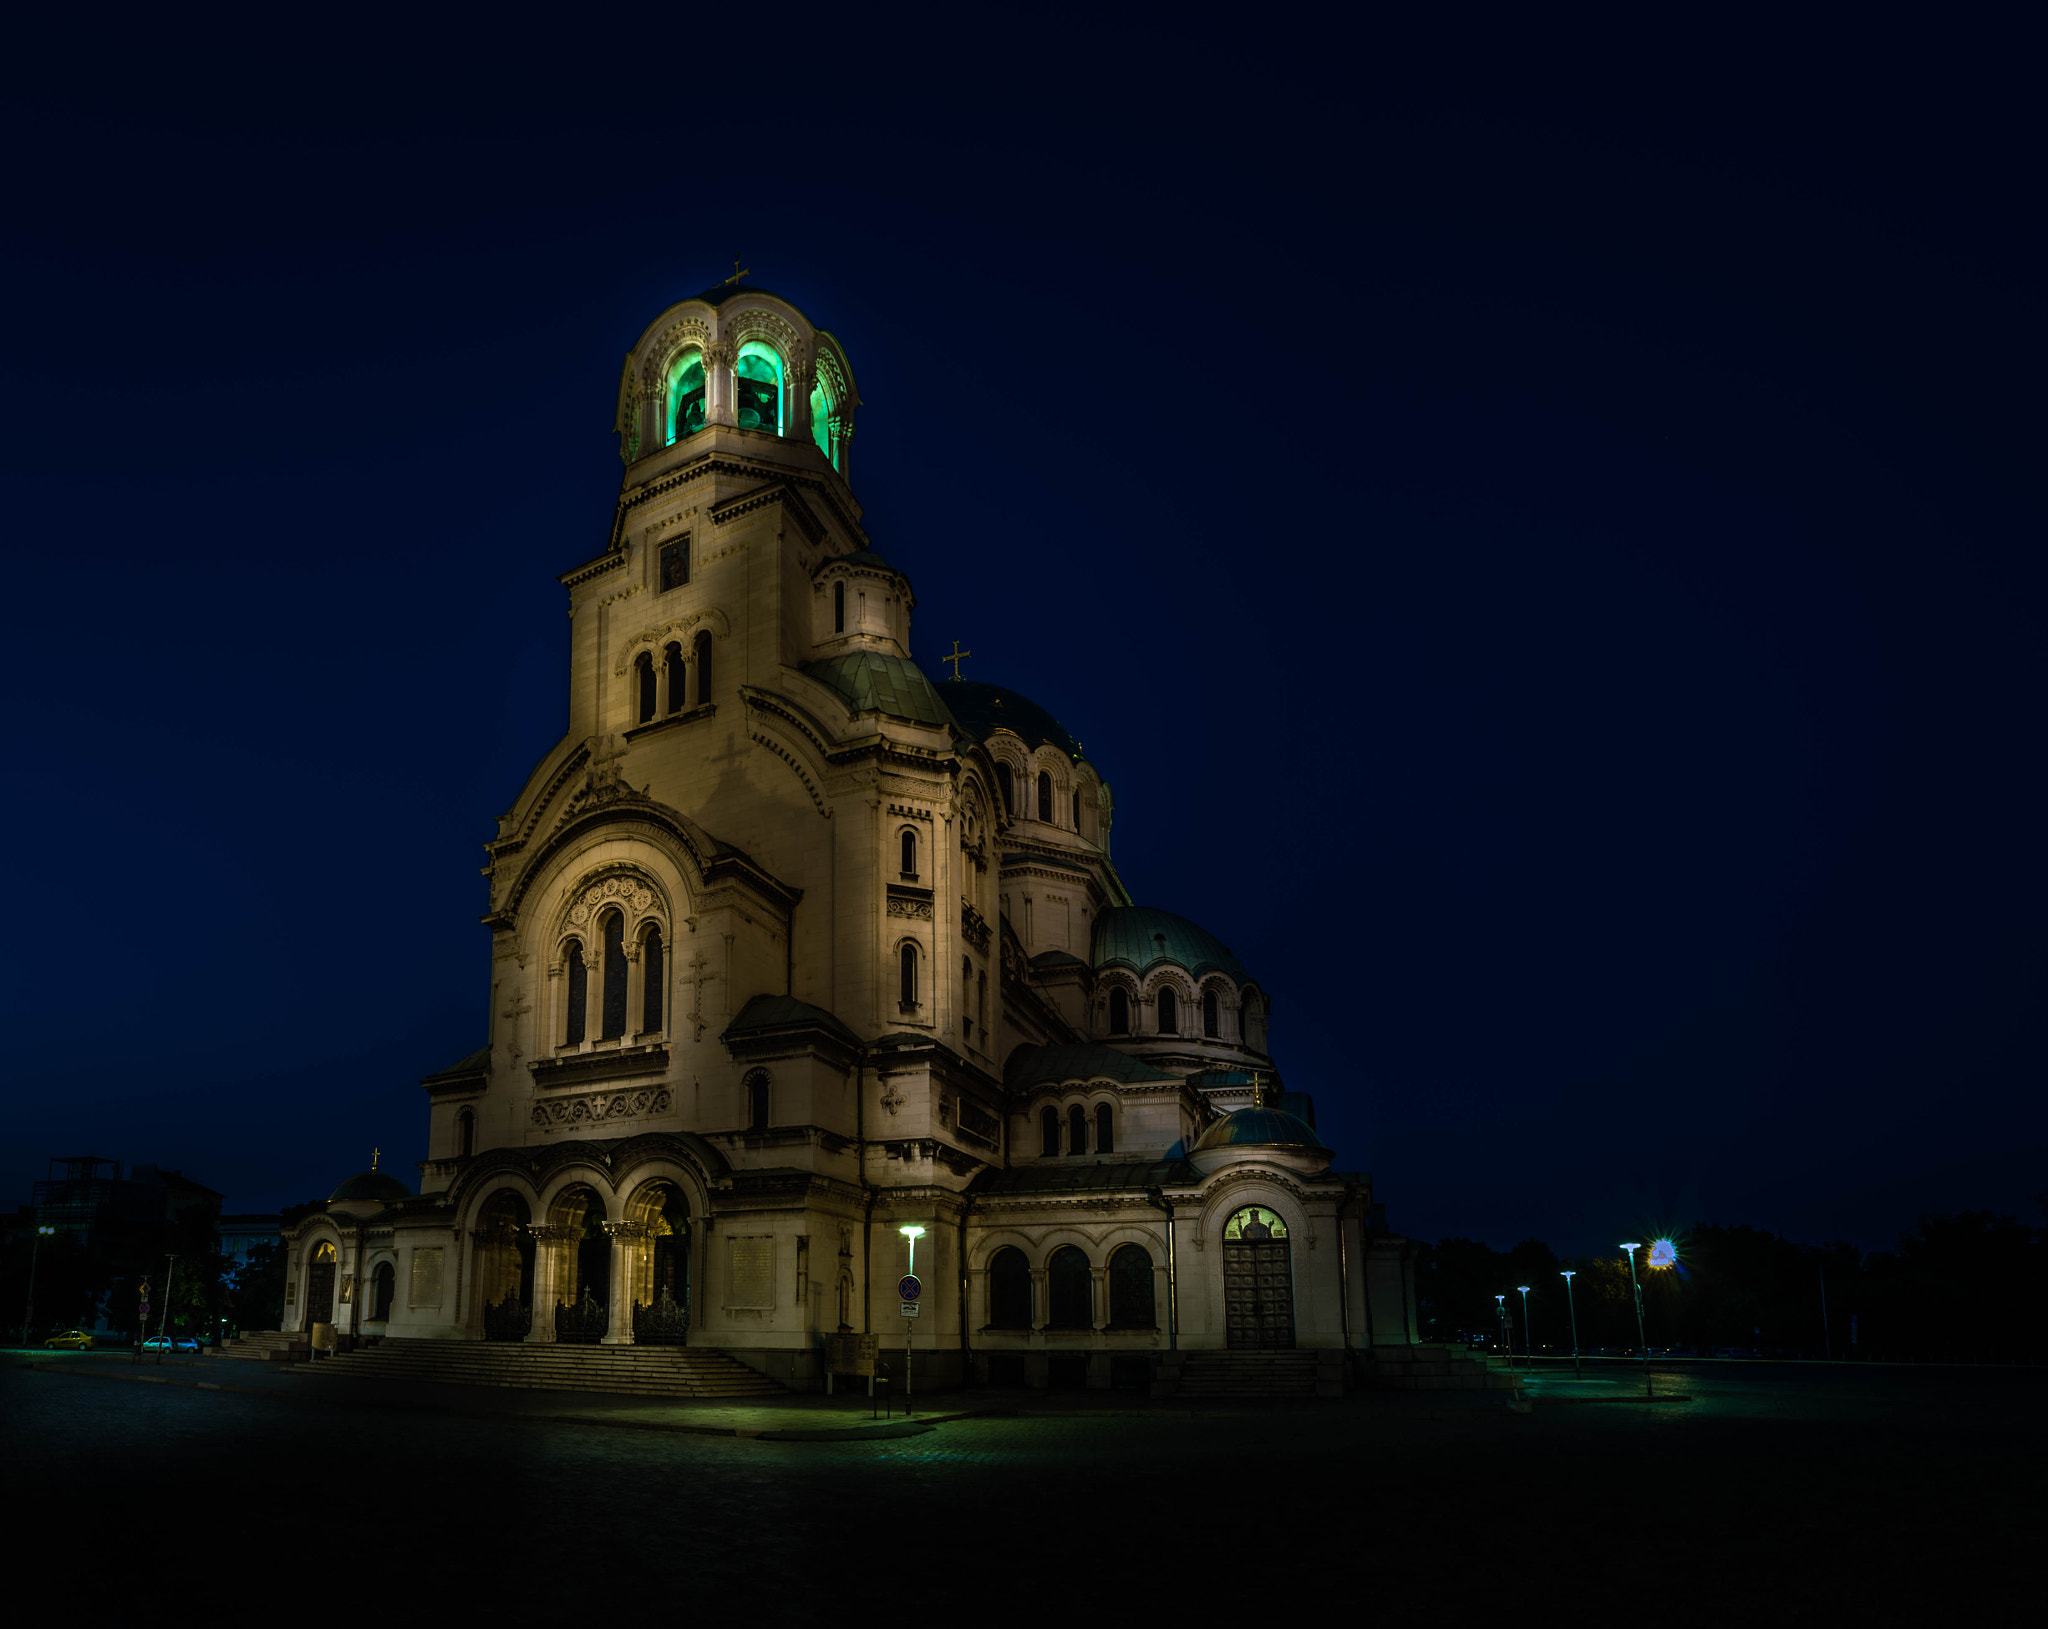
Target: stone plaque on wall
x=750 y=1278
x=426 y=1277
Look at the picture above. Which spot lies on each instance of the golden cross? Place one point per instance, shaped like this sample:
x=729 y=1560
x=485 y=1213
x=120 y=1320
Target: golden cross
x=737 y=274
x=957 y=657
x=373 y=1157
x=1258 y=1091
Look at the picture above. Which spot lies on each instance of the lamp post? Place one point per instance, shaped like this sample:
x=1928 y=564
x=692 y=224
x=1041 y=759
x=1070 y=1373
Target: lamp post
x=1642 y=1340
x=1501 y=1301
x=1574 y=1312
x=28 y=1313
x=1528 y=1339
x=912 y=1232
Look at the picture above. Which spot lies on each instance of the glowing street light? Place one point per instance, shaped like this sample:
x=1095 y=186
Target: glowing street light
x=1635 y=1284
x=1574 y=1311
x=1528 y=1340
x=912 y=1232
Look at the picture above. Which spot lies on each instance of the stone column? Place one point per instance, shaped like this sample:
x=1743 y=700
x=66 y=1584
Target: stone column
x=632 y=1278
x=720 y=406
x=842 y=443
x=1098 y=1310
x=1041 y=1308
x=551 y=1242
x=797 y=379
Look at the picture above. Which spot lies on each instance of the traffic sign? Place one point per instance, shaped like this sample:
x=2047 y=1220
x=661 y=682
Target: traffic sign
x=912 y=1310
x=909 y=1288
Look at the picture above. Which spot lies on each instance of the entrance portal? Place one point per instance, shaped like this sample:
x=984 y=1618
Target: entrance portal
x=583 y=1311
x=320 y=1286
x=1258 y=1281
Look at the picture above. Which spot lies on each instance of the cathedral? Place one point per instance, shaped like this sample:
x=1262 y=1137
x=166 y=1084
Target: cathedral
x=818 y=1009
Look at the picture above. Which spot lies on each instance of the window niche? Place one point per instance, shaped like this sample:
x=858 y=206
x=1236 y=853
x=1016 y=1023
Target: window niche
x=675 y=563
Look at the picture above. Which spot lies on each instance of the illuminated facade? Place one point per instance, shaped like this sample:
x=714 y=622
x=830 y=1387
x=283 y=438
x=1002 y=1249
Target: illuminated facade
x=791 y=944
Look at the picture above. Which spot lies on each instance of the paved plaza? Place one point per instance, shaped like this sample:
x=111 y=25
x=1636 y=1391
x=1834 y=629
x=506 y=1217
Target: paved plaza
x=1771 y=1492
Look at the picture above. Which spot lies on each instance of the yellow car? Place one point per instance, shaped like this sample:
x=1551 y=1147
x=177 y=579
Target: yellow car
x=72 y=1340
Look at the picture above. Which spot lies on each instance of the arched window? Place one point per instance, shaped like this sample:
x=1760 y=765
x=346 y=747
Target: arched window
x=1105 y=1129
x=822 y=409
x=613 y=927
x=1009 y=1290
x=909 y=847
x=1119 y=1013
x=1045 y=797
x=1003 y=786
x=1169 y=1014
x=1210 y=1025
x=652 y=980
x=908 y=995
x=701 y=649
x=686 y=399
x=1049 y=1124
x=757 y=1101
x=383 y=1283
x=579 y=996
x=1131 y=1303
x=1077 y=1130
x=1069 y=1290
x=839 y=608
x=757 y=381
x=678 y=677
x=643 y=679
x=465 y=1133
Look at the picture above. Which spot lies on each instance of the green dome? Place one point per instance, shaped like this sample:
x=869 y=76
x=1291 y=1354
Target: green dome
x=1260 y=1128
x=869 y=681
x=982 y=709
x=378 y=1185
x=1137 y=937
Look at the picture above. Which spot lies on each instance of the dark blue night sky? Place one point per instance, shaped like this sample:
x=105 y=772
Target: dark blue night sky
x=1549 y=562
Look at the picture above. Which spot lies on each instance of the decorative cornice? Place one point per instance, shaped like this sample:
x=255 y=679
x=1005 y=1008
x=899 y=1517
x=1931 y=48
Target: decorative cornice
x=586 y=1066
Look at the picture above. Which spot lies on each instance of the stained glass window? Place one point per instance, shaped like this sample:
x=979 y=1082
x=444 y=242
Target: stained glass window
x=1254 y=1223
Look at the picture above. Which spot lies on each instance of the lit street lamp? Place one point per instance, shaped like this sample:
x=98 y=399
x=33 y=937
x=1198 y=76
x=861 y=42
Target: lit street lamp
x=912 y=1232
x=1574 y=1311
x=1642 y=1341
x=1528 y=1337
x=28 y=1313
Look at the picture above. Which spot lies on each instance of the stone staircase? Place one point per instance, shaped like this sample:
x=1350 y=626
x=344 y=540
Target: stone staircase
x=645 y=1371
x=1437 y=1368
x=261 y=1346
x=1229 y=1375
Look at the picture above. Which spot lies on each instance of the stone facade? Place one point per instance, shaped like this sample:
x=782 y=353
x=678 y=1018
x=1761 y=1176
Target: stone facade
x=791 y=946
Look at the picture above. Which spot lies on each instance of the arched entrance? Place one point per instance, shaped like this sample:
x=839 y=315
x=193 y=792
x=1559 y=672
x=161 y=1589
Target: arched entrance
x=583 y=1298
x=659 y=1241
x=1258 y=1281
x=504 y=1267
x=383 y=1285
x=320 y=1286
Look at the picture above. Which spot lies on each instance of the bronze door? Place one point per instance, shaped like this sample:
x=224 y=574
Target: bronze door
x=320 y=1293
x=1258 y=1294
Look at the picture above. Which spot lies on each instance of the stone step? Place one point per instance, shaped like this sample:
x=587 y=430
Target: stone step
x=648 y=1371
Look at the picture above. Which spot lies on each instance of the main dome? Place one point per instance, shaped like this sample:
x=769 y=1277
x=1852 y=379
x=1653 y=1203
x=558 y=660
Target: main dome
x=377 y=1185
x=1261 y=1128
x=1137 y=937
x=982 y=709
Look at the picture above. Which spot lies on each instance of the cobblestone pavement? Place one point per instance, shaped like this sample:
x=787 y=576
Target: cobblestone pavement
x=1770 y=1495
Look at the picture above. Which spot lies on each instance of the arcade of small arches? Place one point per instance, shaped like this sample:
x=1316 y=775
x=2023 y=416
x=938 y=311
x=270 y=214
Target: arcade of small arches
x=1068 y=1290
x=765 y=392
x=1040 y=788
x=665 y=687
x=614 y=942
x=1075 y=1128
x=1167 y=1002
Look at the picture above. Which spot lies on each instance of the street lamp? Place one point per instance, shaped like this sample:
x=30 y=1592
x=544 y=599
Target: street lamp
x=1502 y=1302
x=1528 y=1339
x=1574 y=1311
x=1642 y=1340
x=909 y=1288
x=28 y=1313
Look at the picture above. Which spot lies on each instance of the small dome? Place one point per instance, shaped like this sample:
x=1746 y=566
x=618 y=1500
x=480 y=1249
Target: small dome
x=1138 y=936
x=1261 y=1128
x=376 y=1185
x=982 y=709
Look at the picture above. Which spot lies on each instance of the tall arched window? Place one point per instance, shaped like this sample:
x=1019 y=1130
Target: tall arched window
x=757 y=1102
x=579 y=996
x=701 y=648
x=1077 y=811
x=1105 y=1129
x=908 y=996
x=1009 y=1290
x=686 y=399
x=1003 y=785
x=614 y=929
x=1077 y=1130
x=643 y=679
x=1045 y=797
x=757 y=382
x=1169 y=1014
x=1211 y=1026
x=839 y=608
x=1069 y=1290
x=1119 y=1013
x=909 y=847
x=1131 y=1299
x=653 y=978
x=1049 y=1125
x=465 y=1133
x=678 y=677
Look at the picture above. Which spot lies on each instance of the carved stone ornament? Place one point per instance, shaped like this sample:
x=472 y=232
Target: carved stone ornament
x=918 y=910
x=595 y=1108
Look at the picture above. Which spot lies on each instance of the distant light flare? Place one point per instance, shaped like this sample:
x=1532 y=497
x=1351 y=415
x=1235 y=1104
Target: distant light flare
x=1663 y=1253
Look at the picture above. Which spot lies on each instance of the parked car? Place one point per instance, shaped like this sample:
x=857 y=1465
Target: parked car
x=72 y=1340
x=170 y=1343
